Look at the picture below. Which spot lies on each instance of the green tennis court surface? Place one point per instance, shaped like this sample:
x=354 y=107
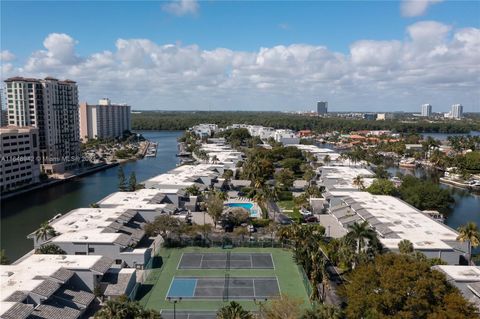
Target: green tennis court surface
x=204 y=287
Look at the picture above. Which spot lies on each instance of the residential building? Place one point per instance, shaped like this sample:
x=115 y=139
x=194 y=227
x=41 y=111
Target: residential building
x=204 y=130
x=19 y=153
x=53 y=286
x=466 y=279
x=322 y=108
x=103 y=120
x=385 y=116
x=457 y=111
x=426 y=110
x=369 y=116
x=110 y=232
x=51 y=106
x=3 y=112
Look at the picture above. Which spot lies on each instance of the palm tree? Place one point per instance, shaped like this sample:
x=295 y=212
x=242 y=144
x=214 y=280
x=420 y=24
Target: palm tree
x=470 y=234
x=50 y=249
x=326 y=159
x=405 y=247
x=360 y=233
x=45 y=232
x=214 y=159
x=233 y=311
x=358 y=182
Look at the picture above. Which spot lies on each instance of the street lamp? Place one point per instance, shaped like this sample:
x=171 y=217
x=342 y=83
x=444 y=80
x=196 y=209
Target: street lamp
x=174 y=301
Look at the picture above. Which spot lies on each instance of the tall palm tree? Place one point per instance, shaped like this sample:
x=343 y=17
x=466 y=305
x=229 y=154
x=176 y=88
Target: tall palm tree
x=405 y=246
x=470 y=234
x=45 y=232
x=233 y=311
x=321 y=311
x=358 y=182
x=361 y=233
x=214 y=159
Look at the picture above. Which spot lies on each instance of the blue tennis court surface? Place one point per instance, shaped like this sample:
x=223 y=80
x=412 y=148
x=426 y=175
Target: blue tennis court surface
x=182 y=287
x=224 y=287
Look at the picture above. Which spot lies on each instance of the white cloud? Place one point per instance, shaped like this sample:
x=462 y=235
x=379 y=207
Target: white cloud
x=181 y=7
x=433 y=64
x=415 y=8
x=6 y=56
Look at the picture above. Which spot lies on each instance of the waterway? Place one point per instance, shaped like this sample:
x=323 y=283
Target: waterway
x=444 y=136
x=467 y=204
x=23 y=214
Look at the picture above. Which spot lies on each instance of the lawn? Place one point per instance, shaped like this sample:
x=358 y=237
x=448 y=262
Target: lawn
x=153 y=294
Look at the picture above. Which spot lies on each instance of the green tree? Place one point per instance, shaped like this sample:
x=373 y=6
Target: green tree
x=327 y=159
x=405 y=247
x=284 y=307
x=132 y=182
x=285 y=177
x=424 y=194
x=45 y=232
x=50 y=249
x=122 y=187
x=361 y=233
x=358 y=182
x=123 y=308
x=469 y=233
x=192 y=190
x=3 y=258
x=399 y=286
x=322 y=311
x=215 y=207
x=233 y=311
x=163 y=225
x=382 y=187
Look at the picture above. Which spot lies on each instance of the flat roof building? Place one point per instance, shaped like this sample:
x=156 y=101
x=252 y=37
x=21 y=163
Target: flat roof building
x=103 y=120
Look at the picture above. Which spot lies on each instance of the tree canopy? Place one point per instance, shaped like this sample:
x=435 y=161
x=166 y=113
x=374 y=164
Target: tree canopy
x=401 y=286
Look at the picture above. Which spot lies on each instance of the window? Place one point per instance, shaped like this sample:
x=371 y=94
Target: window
x=80 y=253
x=91 y=250
x=118 y=261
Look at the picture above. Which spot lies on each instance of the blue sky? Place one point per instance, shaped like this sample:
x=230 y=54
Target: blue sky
x=93 y=28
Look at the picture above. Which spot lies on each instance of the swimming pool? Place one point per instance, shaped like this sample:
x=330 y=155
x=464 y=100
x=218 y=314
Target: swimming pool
x=248 y=206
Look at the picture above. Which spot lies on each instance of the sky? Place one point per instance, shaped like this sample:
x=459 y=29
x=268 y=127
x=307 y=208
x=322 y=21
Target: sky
x=251 y=55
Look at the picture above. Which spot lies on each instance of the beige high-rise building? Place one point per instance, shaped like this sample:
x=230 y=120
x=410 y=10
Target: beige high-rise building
x=19 y=153
x=104 y=120
x=51 y=106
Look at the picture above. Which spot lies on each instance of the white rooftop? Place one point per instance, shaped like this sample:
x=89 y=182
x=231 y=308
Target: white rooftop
x=404 y=220
x=341 y=177
x=183 y=176
x=86 y=225
x=461 y=273
x=28 y=274
x=133 y=200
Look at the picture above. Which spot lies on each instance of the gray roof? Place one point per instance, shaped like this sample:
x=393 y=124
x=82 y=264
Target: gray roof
x=63 y=275
x=18 y=311
x=17 y=296
x=79 y=297
x=103 y=265
x=48 y=311
x=117 y=283
x=122 y=240
x=46 y=288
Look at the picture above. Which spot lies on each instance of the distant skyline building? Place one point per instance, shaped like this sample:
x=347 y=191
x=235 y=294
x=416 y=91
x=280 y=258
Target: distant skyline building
x=457 y=111
x=104 y=120
x=19 y=152
x=51 y=106
x=322 y=107
x=426 y=110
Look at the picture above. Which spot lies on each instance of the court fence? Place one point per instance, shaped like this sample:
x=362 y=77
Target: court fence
x=305 y=280
x=227 y=242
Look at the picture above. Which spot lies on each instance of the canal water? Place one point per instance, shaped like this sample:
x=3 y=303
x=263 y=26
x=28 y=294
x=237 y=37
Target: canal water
x=467 y=204
x=23 y=214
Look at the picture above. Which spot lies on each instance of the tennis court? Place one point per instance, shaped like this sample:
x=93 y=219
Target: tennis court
x=226 y=261
x=224 y=288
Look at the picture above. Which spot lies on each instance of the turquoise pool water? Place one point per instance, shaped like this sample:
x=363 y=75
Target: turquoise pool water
x=247 y=206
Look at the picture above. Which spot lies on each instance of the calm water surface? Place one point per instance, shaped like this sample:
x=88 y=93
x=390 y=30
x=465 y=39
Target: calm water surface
x=23 y=214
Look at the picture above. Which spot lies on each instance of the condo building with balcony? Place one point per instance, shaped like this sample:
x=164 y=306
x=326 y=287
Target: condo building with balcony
x=51 y=106
x=103 y=120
